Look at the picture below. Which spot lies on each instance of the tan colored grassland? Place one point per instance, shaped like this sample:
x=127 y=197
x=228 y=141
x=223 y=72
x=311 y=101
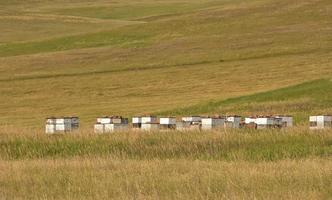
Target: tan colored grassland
x=96 y=178
x=150 y=165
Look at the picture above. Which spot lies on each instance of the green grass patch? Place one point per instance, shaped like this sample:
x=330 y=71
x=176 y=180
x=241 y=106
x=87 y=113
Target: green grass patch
x=100 y=39
x=317 y=95
x=131 y=11
x=265 y=145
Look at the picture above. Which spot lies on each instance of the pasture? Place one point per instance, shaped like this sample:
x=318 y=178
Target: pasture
x=94 y=58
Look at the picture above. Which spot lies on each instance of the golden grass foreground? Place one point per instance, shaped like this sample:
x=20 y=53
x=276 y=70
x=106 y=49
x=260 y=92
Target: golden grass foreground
x=80 y=178
x=233 y=164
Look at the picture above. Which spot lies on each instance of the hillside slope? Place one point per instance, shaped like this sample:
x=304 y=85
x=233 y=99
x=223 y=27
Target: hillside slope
x=94 y=58
x=301 y=101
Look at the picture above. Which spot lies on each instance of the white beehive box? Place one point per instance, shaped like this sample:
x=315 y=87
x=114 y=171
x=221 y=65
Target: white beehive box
x=63 y=127
x=99 y=128
x=265 y=121
x=286 y=121
x=63 y=120
x=115 y=127
x=210 y=123
x=233 y=121
x=104 y=120
x=314 y=123
x=213 y=121
x=313 y=118
x=167 y=120
x=249 y=120
x=324 y=120
x=62 y=124
x=149 y=120
x=136 y=120
x=320 y=122
x=120 y=120
x=150 y=127
x=192 y=119
x=50 y=128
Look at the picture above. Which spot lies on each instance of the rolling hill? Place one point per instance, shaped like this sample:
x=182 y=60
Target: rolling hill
x=96 y=58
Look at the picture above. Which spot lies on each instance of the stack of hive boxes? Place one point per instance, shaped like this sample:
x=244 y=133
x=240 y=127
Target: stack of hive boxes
x=136 y=122
x=262 y=122
x=209 y=123
x=189 y=123
x=61 y=124
x=111 y=124
x=320 y=122
x=267 y=122
x=149 y=123
x=233 y=121
x=167 y=123
x=286 y=121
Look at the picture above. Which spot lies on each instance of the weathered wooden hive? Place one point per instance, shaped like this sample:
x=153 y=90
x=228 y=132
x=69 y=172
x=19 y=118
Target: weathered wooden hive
x=61 y=124
x=320 y=122
x=111 y=124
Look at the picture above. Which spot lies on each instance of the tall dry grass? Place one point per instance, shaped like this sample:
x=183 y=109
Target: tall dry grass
x=230 y=145
x=97 y=178
x=227 y=164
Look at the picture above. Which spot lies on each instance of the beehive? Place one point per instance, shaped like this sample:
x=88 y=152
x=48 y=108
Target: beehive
x=265 y=122
x=115 y=127
x=233 y=121
x=149 y=120
x=136 y=122
x=150 y=127
x=212 y=123
x=320 y=122
x=99 y=128
x=268 y=122
x=286 y=120
x=61 y=124
x=111 y=124
x=192 y=119
x=104 y=120
x=167 y=123
x=249 y=120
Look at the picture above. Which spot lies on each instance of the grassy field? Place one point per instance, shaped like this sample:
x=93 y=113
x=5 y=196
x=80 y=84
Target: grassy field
x=171 y=57
x=293 y=164
x=96 y=58
x=166 y=179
